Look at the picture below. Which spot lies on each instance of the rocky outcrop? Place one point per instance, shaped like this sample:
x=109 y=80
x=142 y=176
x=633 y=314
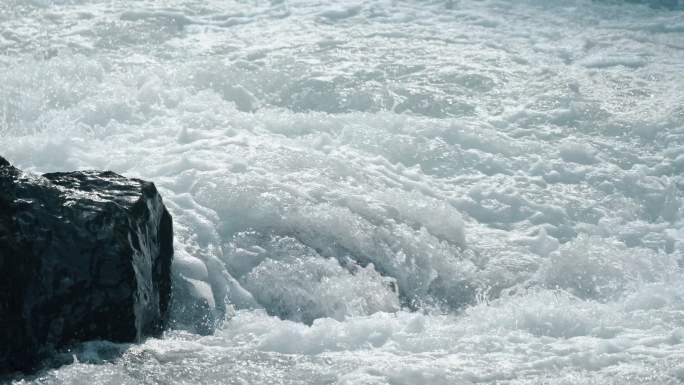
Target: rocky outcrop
x=83 y=256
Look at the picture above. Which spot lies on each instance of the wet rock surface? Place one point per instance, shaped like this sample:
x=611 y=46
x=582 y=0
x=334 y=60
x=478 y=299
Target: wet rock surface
x=83 y=256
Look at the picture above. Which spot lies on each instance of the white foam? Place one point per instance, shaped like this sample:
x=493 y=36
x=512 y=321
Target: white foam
x=429 y=187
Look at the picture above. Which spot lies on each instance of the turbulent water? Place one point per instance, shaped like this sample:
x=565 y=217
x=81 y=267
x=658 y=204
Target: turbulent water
x=379 y=192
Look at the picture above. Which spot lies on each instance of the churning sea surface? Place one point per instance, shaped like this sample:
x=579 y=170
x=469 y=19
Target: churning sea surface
x=377 y=192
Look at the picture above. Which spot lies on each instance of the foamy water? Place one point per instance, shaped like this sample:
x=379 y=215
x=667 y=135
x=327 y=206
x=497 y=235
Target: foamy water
x=379 y=192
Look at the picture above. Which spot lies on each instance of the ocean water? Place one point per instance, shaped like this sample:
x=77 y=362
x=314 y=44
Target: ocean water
x=377 y=192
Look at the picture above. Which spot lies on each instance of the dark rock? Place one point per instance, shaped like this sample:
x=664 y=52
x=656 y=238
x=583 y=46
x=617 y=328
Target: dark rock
x=83 y=256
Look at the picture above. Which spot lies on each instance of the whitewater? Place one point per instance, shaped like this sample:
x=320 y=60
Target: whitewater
x=392 y=192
